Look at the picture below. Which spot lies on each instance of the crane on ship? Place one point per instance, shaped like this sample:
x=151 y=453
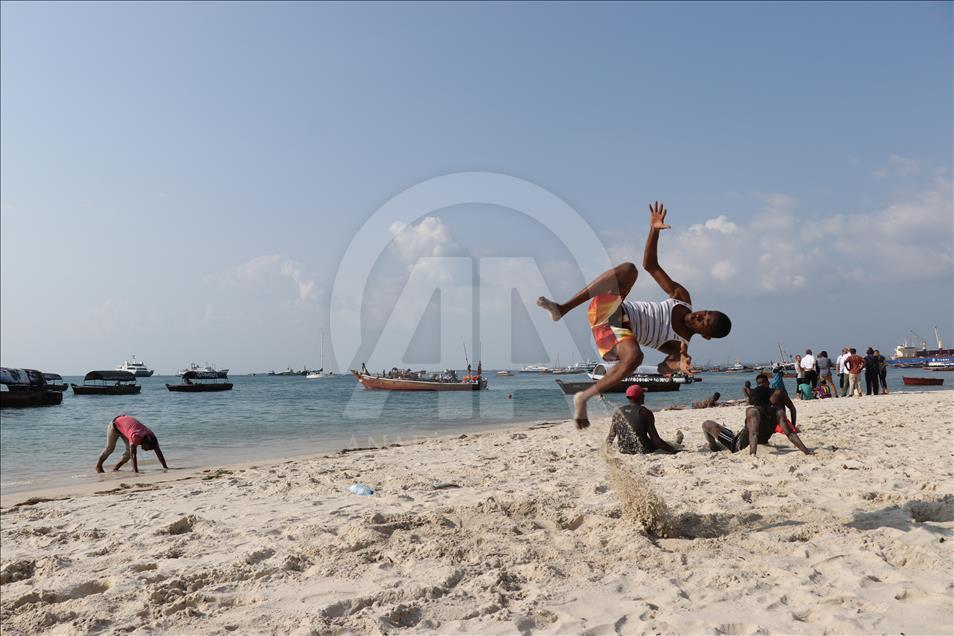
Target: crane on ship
x=937 y=338
x=922 y=339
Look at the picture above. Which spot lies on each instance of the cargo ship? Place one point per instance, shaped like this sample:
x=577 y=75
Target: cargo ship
x=906 y=355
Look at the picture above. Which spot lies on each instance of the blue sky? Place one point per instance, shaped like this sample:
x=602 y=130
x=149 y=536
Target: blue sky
x=181 y=181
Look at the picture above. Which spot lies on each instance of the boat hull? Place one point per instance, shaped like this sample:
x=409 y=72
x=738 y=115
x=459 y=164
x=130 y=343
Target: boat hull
x=395 y=384
x=18 y=399
x=130 y=389
x=908 y=381
x=200 y=388
x=649 y=384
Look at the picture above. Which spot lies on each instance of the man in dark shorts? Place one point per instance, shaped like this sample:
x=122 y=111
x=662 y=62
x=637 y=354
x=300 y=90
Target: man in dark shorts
x=635 y=426
x=767 y=411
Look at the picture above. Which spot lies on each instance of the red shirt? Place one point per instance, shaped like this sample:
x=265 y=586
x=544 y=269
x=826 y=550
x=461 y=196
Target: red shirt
x=855 y=363
x=132 y=429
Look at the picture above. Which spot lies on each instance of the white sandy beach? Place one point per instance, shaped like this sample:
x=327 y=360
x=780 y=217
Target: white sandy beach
x=525 y=533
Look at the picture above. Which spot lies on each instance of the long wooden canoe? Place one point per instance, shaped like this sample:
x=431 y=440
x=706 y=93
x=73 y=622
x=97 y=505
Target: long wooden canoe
x=397 y=384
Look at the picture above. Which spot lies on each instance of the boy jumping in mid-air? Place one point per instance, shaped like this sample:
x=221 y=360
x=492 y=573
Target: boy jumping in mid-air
x=620 y=326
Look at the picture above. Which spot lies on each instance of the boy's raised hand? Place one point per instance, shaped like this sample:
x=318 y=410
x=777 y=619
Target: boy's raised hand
x=657 y=216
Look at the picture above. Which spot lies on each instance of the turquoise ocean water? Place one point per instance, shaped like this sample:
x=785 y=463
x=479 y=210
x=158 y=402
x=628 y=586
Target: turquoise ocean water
x=275 y=417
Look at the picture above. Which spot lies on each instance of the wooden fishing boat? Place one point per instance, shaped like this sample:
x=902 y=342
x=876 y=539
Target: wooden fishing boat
x=909 y=381
x=421 y=382
x=201 y=382
x=108 y=383
x=26 y=387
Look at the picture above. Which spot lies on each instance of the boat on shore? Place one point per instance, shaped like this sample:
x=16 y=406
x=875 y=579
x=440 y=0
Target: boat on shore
x=909 y=381
x=108 y=383
x=26 y=387
x=446 y=381
x=201 y=382
x=137 y=368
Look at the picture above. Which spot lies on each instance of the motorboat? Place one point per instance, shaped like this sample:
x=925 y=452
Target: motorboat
x=26 y=387
x=54 y=382
x=535 y=368
x=108 y=383
x=206 y=368
x=505 y=373
x=137 y=368
x=645 y=376
x=201 y=382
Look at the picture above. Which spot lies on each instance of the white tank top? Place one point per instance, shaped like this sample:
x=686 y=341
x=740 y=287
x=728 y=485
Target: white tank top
x=652 y=321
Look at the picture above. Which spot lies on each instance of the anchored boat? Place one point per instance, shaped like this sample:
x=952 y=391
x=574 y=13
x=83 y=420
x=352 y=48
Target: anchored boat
x=446 y=381
x=651 y=382
x=201 y=381
x=26 y=387
x=909 y=381
x=108 y=383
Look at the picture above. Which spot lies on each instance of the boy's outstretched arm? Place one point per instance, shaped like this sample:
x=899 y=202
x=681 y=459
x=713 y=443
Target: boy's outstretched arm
x=657 y=222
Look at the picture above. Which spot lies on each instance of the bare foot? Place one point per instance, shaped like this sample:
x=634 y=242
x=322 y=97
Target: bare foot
x=552 y=308
x=99 y=468
x=579 y=412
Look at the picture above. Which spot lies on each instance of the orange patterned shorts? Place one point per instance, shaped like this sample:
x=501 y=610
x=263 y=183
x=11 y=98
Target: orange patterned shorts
x=607 y=316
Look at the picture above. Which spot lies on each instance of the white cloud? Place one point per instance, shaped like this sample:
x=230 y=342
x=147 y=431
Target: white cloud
x=720 y=224
x=786 y=250
x=275 y=269
x=429 y=237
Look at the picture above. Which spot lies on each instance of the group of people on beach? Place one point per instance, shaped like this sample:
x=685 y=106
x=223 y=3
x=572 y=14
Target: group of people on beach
x=814 y=375
x=621 y=327
x=633 y=425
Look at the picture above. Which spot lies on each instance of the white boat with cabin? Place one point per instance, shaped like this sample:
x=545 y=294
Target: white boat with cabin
x=137 y=368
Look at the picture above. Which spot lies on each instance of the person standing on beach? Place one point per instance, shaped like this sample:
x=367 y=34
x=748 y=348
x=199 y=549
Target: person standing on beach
x=824 y=364
x=872 y=372
x=620 y=327
x=882 y=371
x=799 y=377
x=133 y=433
x=842 y=371
x=767 y=411
x=855 y=364
x=635 y=427
x=811 y=370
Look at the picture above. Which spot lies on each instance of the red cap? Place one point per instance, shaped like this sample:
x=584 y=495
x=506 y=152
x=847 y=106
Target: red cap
x=634 y=392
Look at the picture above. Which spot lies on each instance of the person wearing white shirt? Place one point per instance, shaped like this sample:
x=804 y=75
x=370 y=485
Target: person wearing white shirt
x=842 y=371
x=811 y=369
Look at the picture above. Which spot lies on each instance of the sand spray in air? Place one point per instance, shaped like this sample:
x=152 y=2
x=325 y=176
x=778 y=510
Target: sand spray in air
x=640 y=503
